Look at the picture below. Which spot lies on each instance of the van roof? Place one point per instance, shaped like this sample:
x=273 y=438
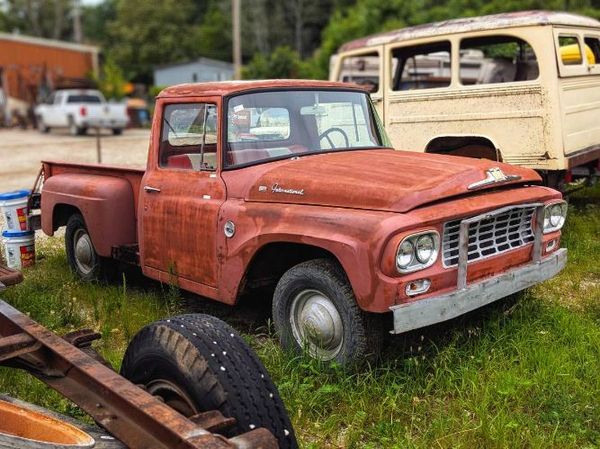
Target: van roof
x=480 y=23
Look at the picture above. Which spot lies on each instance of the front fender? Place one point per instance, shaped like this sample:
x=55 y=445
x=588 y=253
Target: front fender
x=106 y=203
x=345 y=233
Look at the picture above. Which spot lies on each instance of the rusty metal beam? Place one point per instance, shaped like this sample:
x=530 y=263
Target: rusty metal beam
x=16 y=345
x=132 y=415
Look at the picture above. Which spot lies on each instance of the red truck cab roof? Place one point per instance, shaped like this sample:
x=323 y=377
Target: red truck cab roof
x=223 y=88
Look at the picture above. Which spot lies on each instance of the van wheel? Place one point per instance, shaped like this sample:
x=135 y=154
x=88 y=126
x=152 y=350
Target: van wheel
x=197 y=363
x=314 y=309
x=81 y=254
x=117 y=131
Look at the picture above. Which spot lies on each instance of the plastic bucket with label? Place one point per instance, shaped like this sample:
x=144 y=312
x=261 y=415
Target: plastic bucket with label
x=14 y=210
x=19 y=248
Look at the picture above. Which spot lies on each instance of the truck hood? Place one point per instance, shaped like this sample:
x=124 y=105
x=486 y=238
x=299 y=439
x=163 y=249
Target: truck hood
x=385 y=180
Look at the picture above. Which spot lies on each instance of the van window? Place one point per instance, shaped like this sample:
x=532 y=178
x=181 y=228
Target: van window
x=569 y=51
x=361 y=69
x=189 y=137
x=592 y=50
x=422 y=66
x=496 y=59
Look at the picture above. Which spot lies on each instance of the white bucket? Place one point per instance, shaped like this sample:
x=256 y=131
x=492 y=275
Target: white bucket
x=14 y=210
x=19 y=248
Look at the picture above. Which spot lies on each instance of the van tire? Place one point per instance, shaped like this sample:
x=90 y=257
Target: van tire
x=84 y=261
x=361 y=334
x=117 y=131
x=211 y=368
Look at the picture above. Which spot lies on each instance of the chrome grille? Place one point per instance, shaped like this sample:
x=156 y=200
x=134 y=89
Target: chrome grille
x=493 y=235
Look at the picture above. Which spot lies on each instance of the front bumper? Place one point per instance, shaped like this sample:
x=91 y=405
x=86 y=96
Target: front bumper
x=429 y=311
x=468 y=297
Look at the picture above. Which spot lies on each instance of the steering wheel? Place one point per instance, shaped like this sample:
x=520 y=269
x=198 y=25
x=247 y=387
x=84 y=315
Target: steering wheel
x=325 y=135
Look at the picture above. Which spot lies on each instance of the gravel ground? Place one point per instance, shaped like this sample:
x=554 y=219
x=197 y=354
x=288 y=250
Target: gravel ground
x=22 y=151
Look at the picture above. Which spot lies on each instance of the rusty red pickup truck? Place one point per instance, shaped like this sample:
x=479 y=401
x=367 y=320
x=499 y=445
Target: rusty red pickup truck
x=293 y=184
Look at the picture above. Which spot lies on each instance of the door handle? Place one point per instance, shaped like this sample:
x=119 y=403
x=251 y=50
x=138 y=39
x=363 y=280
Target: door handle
x=150 y=189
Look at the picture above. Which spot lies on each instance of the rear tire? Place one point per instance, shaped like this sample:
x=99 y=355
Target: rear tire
x=314 y=309
x=198 y=363
x=117 y=131
x=42 y=126
x=81 y=254
x=75 y=130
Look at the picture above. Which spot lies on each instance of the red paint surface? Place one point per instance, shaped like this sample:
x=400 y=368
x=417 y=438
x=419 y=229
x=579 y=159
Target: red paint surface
x=357 y=205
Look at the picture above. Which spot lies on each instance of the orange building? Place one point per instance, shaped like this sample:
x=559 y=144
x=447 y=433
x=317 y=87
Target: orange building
x=31 y=66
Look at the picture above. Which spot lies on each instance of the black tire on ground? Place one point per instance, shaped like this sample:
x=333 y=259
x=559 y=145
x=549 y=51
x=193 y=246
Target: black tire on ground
x=199 y=363
x=117 y=131
x=307 y=297
x=85 y=261
x=75 y=130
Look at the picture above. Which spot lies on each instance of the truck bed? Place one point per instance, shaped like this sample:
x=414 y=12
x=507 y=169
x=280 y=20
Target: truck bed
x=132 y=175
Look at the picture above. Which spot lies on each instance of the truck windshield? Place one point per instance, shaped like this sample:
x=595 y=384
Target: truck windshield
x=280 y=124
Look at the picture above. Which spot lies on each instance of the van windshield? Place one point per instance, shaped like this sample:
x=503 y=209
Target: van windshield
x=271 y=125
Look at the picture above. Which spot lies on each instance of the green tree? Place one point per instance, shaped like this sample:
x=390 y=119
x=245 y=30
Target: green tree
x=147 y=33
x=41 y=18
x=111 y=81
x=283 y=62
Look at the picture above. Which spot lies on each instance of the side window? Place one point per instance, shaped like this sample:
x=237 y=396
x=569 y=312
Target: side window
x=189 y=137
x=422 y=67
x=361 y=69
x=569 y=50
x=592 y=50
x=497 y=59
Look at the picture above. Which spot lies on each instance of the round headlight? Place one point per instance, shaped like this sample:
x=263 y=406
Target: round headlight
x=406 y=253
x=425 y=248
x=556 y=216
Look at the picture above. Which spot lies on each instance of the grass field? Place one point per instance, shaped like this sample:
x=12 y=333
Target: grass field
x=522 y=373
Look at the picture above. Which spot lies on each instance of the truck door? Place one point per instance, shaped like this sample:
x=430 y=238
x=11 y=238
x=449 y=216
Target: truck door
x=181 y=197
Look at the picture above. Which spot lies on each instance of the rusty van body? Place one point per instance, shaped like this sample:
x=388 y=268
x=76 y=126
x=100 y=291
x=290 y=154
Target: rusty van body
x=522 y=88
x=294 y=184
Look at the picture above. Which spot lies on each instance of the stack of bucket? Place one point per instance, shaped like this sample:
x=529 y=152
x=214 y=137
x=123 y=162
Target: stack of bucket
x=18 y=239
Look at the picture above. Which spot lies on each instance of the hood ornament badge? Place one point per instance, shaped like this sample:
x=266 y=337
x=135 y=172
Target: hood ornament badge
x=493 y=176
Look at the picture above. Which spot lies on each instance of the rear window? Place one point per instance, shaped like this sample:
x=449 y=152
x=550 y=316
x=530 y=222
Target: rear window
x=569 y=51
x=84 y=99
x=497 y=59
x=422 y=67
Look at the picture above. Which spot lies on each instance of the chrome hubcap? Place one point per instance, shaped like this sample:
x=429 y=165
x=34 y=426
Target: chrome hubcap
x=317 y=325
x=85 y=256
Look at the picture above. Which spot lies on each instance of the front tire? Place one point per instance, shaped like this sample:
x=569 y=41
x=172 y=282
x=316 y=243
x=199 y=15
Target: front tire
x=117 y=131
x=314 y=309
x=81 y=254
x=198 y=363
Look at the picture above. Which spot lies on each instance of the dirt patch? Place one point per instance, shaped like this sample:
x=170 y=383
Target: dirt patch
x=22 y=151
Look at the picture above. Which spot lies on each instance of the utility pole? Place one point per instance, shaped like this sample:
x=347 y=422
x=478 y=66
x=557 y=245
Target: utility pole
x=77 y=33
x=237 y=43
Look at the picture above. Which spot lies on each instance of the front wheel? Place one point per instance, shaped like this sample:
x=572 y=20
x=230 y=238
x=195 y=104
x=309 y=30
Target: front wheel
x=197 y=363
x=117 y=131
x=314 y=309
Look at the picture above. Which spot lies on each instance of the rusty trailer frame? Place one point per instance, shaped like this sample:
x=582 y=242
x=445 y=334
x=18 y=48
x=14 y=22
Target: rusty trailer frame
x=126 y=411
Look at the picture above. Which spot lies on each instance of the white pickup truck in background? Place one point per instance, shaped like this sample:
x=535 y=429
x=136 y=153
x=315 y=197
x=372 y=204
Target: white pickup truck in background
x=80 y=109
